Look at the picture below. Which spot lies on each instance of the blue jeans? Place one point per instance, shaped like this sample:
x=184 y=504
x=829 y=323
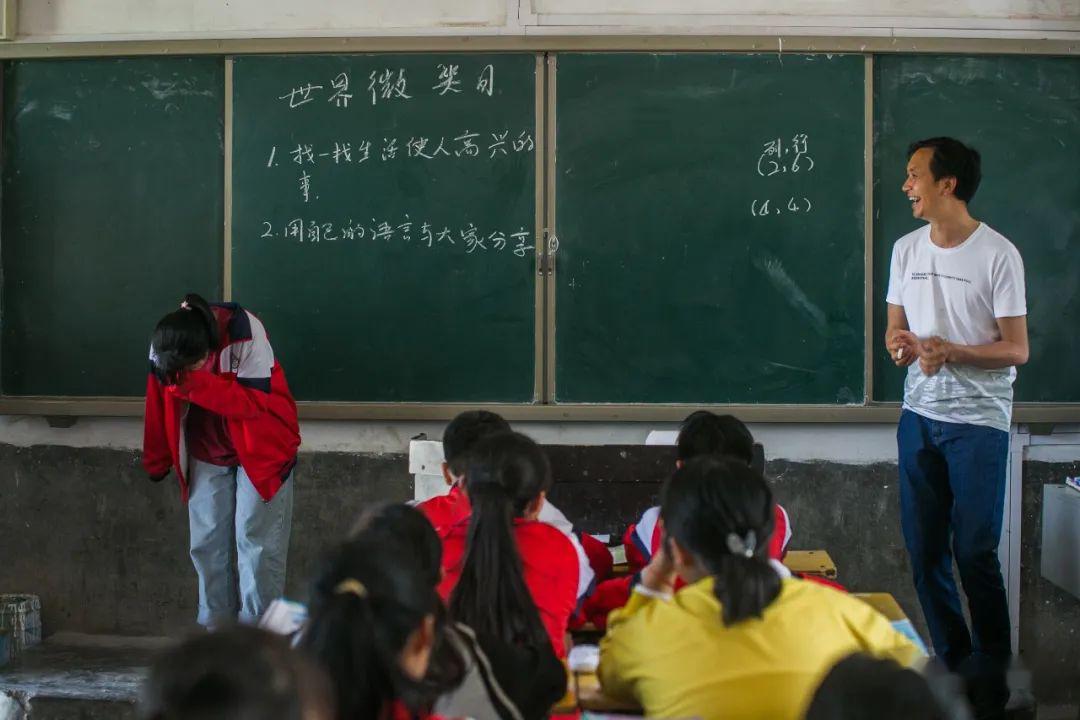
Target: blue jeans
x=239 y=542
x=952 y=487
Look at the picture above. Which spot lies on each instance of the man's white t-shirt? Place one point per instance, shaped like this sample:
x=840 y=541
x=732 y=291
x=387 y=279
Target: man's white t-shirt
x=958 y=293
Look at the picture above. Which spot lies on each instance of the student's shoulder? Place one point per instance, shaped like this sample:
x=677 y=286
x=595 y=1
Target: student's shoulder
x=533 y=533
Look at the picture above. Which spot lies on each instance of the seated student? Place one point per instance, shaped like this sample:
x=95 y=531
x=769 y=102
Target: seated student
x=472 y=674
x=702 y=433
x=503 y=569
x=738 y=641
x=460 y=436
x=861 y=687
x=240 y=673
x=372 y=628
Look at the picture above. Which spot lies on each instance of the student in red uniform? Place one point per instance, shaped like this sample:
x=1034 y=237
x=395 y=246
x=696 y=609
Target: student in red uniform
x=503 y=569
x=219 y=412
x=702 y=433
x=461 y=434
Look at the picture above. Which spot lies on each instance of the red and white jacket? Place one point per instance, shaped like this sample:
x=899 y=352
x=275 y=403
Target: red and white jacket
x=246 y=386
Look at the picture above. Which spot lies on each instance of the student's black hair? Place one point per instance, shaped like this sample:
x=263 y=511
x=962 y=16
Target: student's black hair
x=368 y=600
x=704 y=433
x=182 y=338
x=953 y=158
x=506 y=472
x=406 y=527
x=721 y=511
x=861 y=687
x=464 y=431
x=240 y=673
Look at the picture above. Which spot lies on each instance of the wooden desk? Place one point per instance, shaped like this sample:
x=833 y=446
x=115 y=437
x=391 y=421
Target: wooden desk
x=884 y=603
x=810 y=562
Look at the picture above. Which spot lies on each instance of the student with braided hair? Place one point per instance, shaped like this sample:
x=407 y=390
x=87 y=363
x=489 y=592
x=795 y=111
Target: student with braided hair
x=738 y=641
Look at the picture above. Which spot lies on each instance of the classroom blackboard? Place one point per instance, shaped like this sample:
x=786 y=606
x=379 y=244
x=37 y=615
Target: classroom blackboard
x=1023 y=115
x=384 y=222
x=709 y=211
x=112 y=209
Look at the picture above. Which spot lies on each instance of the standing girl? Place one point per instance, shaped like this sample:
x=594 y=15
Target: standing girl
x=219 y=412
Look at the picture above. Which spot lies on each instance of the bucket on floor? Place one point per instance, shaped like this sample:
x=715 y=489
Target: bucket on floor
x=20 y=616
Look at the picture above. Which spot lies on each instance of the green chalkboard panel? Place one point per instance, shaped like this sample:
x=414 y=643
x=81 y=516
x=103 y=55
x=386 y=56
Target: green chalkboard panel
x=112 y=209
x=710 y=221
x=1023 y=115
x=384 y=222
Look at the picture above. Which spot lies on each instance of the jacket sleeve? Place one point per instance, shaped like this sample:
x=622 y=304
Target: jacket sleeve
x=156 y=458
x=222 y=395
x=622 y=650
x=244 y=397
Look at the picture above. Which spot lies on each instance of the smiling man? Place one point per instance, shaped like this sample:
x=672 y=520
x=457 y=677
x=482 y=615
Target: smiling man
x=957 y=321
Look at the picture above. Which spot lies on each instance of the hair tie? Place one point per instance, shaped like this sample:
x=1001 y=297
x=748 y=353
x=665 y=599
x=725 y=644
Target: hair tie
x=744 y=546
x=351 y=587
x=184 y=305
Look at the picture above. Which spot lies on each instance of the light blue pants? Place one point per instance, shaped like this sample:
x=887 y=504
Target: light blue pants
x=239 y=543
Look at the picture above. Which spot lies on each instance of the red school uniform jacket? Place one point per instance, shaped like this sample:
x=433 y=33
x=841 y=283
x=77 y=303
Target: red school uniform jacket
x=548 y=561
x=246 y=386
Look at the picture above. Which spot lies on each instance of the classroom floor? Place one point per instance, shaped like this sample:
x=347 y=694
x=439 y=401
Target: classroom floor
x=70 y=675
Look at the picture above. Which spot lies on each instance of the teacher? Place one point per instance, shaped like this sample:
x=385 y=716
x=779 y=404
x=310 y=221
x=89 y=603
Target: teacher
x=957 y=321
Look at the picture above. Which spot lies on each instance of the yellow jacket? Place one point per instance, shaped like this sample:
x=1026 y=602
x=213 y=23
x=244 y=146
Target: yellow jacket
x=676 y=659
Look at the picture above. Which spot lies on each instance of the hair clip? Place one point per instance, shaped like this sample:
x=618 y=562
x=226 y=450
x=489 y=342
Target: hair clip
x=351 y=587
x=742 y=546
x=184 y=305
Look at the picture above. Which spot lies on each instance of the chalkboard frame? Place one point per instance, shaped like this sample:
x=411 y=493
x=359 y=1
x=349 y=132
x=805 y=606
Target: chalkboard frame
x=868 y=46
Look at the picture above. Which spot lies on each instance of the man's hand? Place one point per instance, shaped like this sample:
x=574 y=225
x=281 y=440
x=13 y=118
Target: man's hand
x=903 y=347
x=659 y=574
x=935 y=353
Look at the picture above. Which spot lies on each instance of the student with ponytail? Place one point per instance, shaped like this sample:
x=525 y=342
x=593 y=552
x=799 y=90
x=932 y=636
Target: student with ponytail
x=219 y=413
x=372 y=628
x=471 y=674
x=505 y=574
x=739 y=641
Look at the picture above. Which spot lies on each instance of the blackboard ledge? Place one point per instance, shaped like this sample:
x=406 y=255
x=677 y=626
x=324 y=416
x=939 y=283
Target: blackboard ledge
x=869 y=413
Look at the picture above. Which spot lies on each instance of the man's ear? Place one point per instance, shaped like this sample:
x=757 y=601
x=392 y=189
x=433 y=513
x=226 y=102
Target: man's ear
x=447 y=475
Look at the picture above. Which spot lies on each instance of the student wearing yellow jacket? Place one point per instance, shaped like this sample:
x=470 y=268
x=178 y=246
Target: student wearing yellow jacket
x=739 y=641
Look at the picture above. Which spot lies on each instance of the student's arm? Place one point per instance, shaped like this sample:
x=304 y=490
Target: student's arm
x=554 y=517
x=222 y=395
x=156 y=458
x=243 y=397
x=625 y=646
x=876 y=634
